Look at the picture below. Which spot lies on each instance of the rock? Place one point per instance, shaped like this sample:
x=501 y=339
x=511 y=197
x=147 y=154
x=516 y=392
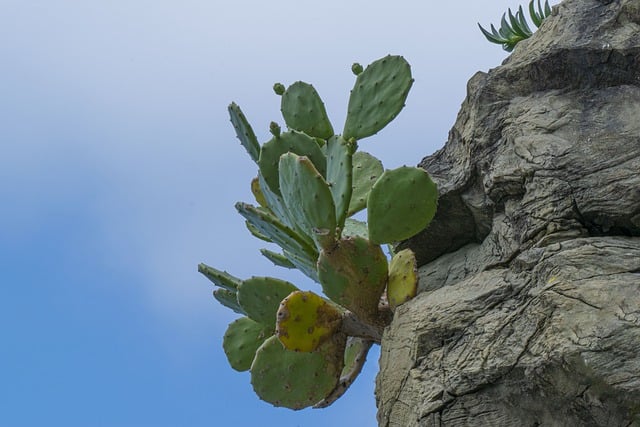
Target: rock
x=529 y=304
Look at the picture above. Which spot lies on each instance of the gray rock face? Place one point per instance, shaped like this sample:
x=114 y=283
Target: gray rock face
x=529 y=304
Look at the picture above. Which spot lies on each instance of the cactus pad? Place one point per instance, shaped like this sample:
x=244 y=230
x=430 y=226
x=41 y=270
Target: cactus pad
x=257 y=192
x=307 y=197
x=241 y=341
x=244 y=132
x=294 y=379
x=401 y=203
x=366 y=171
x=295 y=142
x=378 y=96
x=269 y=226
x=219 y=278
x=303 y=110
x=305 y=320
x=340 y=175
x=403 y=278
x=353 y=227
x=353 y=273
x=229 y=299
x=277 y=259
x=260 y=298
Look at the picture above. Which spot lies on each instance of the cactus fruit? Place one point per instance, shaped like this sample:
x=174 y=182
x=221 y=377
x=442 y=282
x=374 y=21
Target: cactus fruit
x=303 y=110
x=407 y=193
x=244 y=132
x=307 y=197
x=279 y=88
x=366 y=171
x=353 y=273
x=275 y=129
x=356 y=69
x=241 y=341
x=229 y=299
x=377 y=97
x=305 y=320
x=277 y=259
x=294 y=379
x=294 y=142
x=274 y=230
x=339 y=176
x=403 y=278
x=260 y=298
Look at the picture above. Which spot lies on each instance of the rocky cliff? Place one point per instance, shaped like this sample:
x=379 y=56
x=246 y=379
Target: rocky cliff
x=529 y=307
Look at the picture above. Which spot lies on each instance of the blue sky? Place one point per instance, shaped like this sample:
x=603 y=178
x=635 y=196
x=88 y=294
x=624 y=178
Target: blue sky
x=119 y=171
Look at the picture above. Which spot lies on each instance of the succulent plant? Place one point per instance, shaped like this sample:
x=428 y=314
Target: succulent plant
x=303 y=349
x=516 y=29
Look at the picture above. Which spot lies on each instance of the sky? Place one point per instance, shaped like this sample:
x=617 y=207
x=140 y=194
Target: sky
x=119 y=170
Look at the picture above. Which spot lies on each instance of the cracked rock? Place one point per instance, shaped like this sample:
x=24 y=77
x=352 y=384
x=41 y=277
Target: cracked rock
x=529 y=305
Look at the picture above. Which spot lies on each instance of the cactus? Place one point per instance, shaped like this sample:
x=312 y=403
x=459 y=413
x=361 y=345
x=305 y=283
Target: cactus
x=406 y=193
x=309 y=184
x=277 y=259
x=304 y=111
x=305 y=320
x=294 y=379
x=294 y=142
x=244 y=131
x=307 y=197
x=340 y=175
x=274 y=230
x=355 y=355
x=353 y=273
x=260 y=298
x=241 y=341
x=403 y=278
x=378 y=96
x=366 y=171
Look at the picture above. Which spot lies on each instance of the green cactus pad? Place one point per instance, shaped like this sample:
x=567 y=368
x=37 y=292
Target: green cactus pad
x=339 y=175
x=295 y=142
x=366 y=171
x=353 y=227
x=219 y=278
x=305 y=264
x=295 y=380
x=229 y=299
x=241 y=341
x=303 y=110
x=353 y=274
x=269 y=226
x=403 y=278
x=256 y=233
x=244 y=131
x=401 y=203
x=306 y=320
x=307 y=197
x=277 y=259
x=260 y=298
x=276 y=204
x=378 y=96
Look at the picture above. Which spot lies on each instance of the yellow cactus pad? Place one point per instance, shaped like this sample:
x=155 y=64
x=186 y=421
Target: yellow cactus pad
x=403 y=278
x=305 y=320
x=257 y=192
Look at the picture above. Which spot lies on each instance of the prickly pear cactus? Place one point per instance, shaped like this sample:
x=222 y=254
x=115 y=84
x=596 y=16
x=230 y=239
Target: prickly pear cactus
x=302 y=349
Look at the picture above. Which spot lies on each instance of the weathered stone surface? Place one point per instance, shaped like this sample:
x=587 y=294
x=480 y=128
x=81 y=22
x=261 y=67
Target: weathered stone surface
x=529 y=304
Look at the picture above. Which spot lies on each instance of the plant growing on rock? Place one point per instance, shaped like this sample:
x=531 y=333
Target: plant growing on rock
x=516 y=29
x=304 y=349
